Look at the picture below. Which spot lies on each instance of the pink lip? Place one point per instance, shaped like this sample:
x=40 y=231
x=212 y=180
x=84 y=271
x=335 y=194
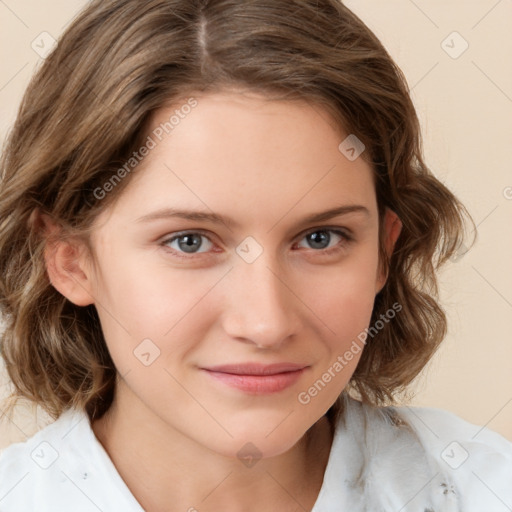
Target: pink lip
x=256 y=378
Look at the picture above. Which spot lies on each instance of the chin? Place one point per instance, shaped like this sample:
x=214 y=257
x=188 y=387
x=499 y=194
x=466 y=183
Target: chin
x=251 y=449
x=266 y=438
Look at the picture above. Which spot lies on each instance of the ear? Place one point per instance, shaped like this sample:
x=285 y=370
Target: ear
x=392 y=227
x=65 y=261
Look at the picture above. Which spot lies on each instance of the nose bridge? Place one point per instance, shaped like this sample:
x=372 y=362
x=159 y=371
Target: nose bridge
x=261 y=309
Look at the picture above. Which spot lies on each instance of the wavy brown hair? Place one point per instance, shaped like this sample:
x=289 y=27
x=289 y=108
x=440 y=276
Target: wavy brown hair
x=87 y=109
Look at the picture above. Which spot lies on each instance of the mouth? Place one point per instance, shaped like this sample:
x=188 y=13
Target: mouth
x=256 y=378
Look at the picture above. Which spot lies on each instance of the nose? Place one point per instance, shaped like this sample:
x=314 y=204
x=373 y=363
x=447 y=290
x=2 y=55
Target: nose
x=261 y=306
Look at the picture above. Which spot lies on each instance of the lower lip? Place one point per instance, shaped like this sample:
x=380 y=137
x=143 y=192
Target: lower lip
x=258 y=384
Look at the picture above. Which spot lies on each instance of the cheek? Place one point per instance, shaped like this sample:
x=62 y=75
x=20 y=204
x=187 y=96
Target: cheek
x=344 y=295
x=343 y=303
x=142 y=298
x=345 y=307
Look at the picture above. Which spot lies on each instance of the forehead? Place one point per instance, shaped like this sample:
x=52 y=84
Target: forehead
x=241 y=154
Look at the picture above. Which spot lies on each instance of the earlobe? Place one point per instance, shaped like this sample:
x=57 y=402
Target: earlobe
x=64 y=263
x=392 y=230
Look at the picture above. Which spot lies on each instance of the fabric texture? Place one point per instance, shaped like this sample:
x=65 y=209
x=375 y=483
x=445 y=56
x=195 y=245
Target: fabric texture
x=382 y=459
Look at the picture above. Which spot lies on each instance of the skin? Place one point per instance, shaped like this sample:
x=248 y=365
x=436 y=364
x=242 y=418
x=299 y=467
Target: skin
x=173 y=432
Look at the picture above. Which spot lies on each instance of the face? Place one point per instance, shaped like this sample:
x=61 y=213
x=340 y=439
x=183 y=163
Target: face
x=194 y=307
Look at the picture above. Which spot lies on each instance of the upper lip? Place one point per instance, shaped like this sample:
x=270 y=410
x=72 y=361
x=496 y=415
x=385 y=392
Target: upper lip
x=256 y=369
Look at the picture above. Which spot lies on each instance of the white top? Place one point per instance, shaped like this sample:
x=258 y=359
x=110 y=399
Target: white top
x=388 y=459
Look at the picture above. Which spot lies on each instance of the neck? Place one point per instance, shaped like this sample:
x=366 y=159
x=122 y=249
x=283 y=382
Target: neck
x=163 y=466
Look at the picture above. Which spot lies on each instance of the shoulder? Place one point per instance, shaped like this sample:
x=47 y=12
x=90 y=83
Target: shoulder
x=455 y=440
x=417 y=458
x=438 y=424
x=28 y=467
x=34 y=450
x=476 y=459
x=62 y=467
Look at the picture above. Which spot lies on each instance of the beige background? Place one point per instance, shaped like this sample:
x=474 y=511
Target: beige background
x=465 y=106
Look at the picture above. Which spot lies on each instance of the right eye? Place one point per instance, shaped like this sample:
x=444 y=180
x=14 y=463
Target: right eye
x=187 y=242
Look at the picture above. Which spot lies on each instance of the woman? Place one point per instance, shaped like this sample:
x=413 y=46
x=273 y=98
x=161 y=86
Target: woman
x=218 y=254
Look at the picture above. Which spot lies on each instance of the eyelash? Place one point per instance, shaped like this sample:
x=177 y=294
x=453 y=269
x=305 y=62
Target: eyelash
x=346 y=239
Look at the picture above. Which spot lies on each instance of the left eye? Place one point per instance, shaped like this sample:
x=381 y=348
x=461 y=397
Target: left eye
x=320 y=238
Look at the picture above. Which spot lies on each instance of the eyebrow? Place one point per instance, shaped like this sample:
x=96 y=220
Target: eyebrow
x=215 y=218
